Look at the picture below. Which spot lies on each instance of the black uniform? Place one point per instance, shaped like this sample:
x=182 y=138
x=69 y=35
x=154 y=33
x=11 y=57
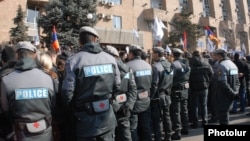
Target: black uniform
x=227 y=87
x=125 y=105
x=179 y=97
x=143 y=78
x=92 y=76
x=160 y=92
x=29 y=100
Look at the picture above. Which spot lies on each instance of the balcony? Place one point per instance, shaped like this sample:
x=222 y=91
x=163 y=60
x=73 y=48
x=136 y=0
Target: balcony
x=37 y=2
x=209 y=21
x=119 y=36
x=149 y=14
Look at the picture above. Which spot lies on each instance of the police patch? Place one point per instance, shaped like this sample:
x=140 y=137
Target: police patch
x=97 y=70
x=31 y=93
x=233 y=72
x=142 y=73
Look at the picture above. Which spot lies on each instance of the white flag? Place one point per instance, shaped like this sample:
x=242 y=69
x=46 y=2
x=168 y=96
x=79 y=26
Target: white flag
x=135 y=33
x=210 y=45
x=168 y=49
x=243 y=49
x=158 y=31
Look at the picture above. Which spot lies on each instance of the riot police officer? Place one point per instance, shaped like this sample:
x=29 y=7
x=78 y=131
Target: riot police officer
x=123 y=103
x=92 y=76
x=141 y=112
x=31 y=99
x=162 y=80
x=227 y=86
x=179 y=95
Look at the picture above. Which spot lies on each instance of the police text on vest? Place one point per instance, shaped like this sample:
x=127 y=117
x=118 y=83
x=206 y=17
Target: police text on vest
x=31 y=93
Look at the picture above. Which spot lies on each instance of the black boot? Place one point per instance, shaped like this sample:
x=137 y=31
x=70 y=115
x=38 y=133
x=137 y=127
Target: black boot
x=176 y=135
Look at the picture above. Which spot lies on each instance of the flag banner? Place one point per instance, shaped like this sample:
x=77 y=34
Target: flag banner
x=243 y=49
x=184 y=39
x=55 y=42
x=210 y=45
x=158 y=29
x=212 y=36
x=226 y=132
x=168 y=49
x=135 y=33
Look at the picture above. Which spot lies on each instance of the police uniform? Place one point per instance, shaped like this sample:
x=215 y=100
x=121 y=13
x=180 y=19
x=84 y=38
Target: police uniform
x=92 y=76
x=179 y=95
x=227 y=87
x=124 y=101
x=141 y=111
x=30 y=99
x=162 y=80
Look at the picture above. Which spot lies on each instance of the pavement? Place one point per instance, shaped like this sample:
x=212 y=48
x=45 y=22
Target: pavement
x=235 y=119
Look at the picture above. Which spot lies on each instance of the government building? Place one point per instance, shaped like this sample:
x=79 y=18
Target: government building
x=124 y=22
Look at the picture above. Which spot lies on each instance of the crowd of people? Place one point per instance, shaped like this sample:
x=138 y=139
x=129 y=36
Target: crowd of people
x=102 y=94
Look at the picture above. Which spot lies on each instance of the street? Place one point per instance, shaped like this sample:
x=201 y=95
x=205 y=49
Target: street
x=235 y=119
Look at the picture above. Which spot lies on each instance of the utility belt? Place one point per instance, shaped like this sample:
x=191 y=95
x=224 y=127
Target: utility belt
x=143 y=95
x=180 y=86
x=33 y=128
x=96 y=107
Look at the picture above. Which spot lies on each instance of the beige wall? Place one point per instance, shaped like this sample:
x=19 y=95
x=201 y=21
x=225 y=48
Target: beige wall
x=8 y=12
x=132 y=15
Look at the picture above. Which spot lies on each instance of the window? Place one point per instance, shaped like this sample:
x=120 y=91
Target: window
x=115 y=1
x=32 y=14
x=224 y=9
x=117 y=22
x=156 y=4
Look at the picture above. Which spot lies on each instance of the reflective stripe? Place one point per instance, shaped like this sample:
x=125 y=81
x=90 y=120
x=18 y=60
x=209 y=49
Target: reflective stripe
x=142 y=73
x=126 y=76
x=97 y=70
x=233 y=72
x=32 y=93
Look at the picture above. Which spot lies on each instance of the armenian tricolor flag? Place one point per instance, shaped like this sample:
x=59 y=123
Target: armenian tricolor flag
x=55 y=43
x=212 y=36
x=184 y=38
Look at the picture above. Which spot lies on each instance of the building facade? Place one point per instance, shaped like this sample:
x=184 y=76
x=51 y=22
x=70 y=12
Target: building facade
x=124 y=22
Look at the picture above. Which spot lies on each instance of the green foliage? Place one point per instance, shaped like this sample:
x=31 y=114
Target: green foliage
x=182 y=23
x=19 y=33
x=68 y=16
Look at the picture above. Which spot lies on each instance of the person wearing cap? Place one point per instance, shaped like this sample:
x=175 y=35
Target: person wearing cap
x=162 y=80
x=179 y=95
x=140 y=117
x=227 y=86
x=92 y=77
x=30 y=100
x=123 y=103
x=8 y=56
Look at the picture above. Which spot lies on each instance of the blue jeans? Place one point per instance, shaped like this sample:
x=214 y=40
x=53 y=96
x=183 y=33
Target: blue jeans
x=242 y=100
